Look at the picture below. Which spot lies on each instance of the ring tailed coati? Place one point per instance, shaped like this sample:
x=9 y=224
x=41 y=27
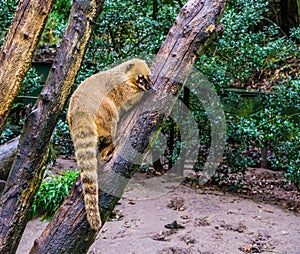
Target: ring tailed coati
x=93 y=115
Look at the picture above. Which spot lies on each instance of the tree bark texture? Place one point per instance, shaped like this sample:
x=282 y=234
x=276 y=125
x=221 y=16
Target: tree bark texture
x=69 y=231
x=8 y=152
x=27 y=170
x=18 y=48
x=290 y=14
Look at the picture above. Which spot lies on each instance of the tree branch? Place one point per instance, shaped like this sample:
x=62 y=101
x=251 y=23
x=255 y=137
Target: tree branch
x=8 y=153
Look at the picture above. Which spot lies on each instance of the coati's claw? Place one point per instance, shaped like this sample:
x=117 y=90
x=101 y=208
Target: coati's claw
x=78 y=185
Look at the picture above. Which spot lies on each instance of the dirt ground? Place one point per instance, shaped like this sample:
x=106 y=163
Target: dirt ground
x=188 y=220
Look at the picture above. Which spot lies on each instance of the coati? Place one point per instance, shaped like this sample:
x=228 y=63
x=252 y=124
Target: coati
x=93 y=115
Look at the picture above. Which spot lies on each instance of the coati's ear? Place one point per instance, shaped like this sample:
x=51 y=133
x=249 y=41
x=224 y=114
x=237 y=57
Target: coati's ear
x=129 y=67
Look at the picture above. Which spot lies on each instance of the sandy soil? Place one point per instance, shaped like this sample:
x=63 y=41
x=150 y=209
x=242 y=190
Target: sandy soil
x=186 y=220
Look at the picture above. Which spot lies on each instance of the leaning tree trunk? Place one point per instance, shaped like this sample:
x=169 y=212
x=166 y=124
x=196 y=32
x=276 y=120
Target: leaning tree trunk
x=18 y=48
x=27 y=170
x=69 y=231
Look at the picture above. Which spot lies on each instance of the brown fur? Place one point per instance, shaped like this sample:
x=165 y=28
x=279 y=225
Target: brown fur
x=94 y=113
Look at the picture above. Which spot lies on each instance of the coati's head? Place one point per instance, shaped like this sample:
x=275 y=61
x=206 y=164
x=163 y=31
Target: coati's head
x=139 y=73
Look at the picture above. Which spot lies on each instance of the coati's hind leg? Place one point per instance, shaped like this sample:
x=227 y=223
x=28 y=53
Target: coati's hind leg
x=106 y=122
x=106 y=149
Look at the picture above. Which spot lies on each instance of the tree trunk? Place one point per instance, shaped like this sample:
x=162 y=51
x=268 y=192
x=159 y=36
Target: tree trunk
x=171 y=143
x=8 y=152
x=264 y=155
x=18 y=48
x=69 y=231
x=289 y=14
x=27 y=170
x=184 y=150
x=155 y=9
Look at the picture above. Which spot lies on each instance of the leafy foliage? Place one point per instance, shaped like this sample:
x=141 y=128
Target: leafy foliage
x=56 y=23
x=247 y=46
x=125 y=29
x=7 y=11
x=30 y=89
x=52 y=193
x=32 y=83
x=62 y=139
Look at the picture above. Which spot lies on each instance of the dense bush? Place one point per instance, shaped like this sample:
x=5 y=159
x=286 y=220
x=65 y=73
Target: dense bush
x=245 y=46
x=29 y=92
x=56 y=23
x=275 y=127
x=126 y=29
x=62 y=139
x=248 y=46
x=7 y=11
